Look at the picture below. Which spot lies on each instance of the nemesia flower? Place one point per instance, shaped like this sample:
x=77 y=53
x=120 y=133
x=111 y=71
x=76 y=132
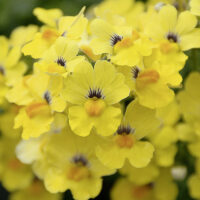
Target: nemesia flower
x=150 y=81
x=60 y=58
x=176 y=28
x=93 y=92
x=79 y=170
x=73 y=27
x=126 y=142
x=39 y=106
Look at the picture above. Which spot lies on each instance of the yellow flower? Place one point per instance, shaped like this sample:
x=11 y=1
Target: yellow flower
x=68 y=27
x=126 y=142
x=106 y=36
x=177 y=29
x=195 y=7
x=148 y=86
x=73 y=165
x=60 y=58
x=151 y=79
x=35 y=191
x=41 y=42
x=13 y=174
x=93 y=92
x=131 y=50
x=37 y=116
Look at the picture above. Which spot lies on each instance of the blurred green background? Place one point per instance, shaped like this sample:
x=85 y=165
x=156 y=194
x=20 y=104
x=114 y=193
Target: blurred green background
x=14 y=13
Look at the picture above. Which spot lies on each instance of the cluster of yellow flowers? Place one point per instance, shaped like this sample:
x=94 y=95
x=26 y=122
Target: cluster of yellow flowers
x=99 y=99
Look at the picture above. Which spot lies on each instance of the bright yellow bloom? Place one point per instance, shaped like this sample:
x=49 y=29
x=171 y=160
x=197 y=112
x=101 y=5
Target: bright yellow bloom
x=37 y=116
x=177 y=29
x=73 y=165
x=60 y=58
x=41 y=42
x=125 y=143
x=93 y=92
x=106 y=36
x=150 y=81
x=69 y=27
x=131 y=50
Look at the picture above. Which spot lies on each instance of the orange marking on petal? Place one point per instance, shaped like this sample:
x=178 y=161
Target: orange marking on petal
x=77 y=173
x=88 y=51
x=147 y=77
x=94 y=107
x=141 y=192
x=14 y=164
x=36 y=108
x=36 y=188
x=124 y=43
x=124 y=141
x=166 y=47
x=49 y=35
